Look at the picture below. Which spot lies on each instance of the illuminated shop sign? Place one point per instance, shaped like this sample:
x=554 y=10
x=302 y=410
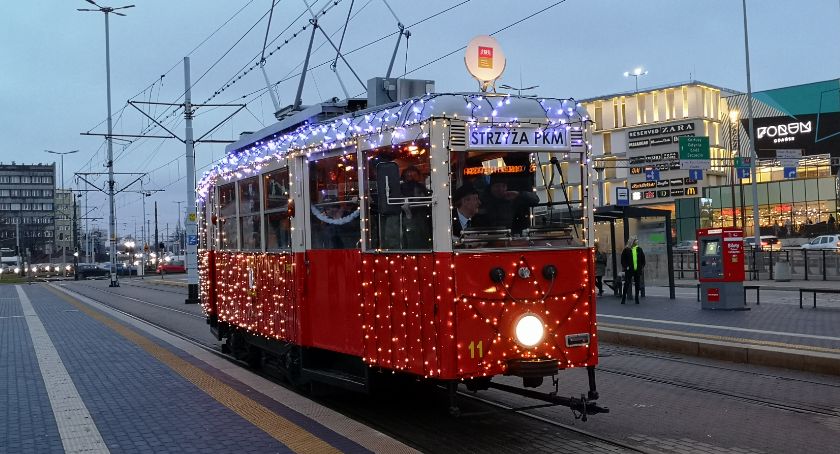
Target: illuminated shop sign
x=661 y=130
x=783 y=133
x=813 y=134
x=511 y=138
x=643 y=185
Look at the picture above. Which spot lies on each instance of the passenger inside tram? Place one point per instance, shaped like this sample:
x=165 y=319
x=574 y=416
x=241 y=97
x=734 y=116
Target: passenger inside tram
x=337 y=227
x=504 y=207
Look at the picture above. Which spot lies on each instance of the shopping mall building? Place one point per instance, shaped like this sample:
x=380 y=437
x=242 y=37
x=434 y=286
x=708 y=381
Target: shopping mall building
x=639 y=131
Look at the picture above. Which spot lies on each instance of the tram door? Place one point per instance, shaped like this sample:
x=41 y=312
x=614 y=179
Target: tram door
x=333 y=282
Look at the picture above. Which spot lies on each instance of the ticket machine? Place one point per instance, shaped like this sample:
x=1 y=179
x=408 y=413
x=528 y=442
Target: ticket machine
x=721 y=268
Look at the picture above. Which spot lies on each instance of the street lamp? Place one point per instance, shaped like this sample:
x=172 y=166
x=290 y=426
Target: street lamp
x=112 y=224
x=62 y=153
x=636 y=73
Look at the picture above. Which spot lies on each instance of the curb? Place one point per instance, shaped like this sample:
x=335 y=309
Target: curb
x=788 y=358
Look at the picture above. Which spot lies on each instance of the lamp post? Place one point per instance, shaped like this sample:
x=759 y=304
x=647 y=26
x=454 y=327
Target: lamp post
x=62 y=153
x=636 y=73
x=112 y=224
x=754 y=153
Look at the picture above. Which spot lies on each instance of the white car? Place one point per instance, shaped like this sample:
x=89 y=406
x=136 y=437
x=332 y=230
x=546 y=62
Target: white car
x=823 y=242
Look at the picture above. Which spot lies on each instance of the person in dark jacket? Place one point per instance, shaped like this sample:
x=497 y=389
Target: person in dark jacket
x=600 y=268
x=633 y=264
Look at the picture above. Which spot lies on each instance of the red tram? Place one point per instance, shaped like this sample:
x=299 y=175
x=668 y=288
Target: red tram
x=448 y=237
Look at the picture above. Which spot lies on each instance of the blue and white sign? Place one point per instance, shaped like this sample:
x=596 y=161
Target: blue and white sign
x=790 y=172
x=743 y=172
x=192 y=240
x=695 y=174
x=622 y=196
x=652 y=175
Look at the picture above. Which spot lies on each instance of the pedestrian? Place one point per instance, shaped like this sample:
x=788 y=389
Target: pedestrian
x=832 y=223
x=633 y=263
x=600 y=268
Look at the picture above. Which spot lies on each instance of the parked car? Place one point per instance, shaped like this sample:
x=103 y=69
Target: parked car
x=175 y=266
x=823 y=242
x=768 y=243
x=686 y=246
x=87 y=270
x=122 y=269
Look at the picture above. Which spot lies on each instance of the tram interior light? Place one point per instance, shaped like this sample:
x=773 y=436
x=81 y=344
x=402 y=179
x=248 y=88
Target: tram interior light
x=529 y=330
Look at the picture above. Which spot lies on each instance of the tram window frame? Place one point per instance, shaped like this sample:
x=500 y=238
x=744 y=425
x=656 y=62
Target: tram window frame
x=227 y=219
x=344 y=232
x=249 y=201
x=405 y=229
x=545 y=227
x=277 y=209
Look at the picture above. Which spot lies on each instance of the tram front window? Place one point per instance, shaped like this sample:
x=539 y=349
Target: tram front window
x=512 y=199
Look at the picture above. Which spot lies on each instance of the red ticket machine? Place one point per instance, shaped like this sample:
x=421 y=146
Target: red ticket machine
x=720 y=264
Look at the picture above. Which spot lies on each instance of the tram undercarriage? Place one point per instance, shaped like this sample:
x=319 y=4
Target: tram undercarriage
x=302 y=367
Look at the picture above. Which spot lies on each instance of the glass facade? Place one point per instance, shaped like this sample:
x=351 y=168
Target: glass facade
x=801 y=207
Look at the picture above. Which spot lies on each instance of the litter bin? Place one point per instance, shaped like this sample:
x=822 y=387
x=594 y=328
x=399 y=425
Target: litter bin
x=781 y=271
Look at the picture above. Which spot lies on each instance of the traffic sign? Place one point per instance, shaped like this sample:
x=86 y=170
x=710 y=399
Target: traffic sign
x=694 y=152
x=790 y=172
x=652 y=175
x=788 y=158
x=695 y=174
x=622 y=196
x=743 y=172
x=192 y=240
x=743 y=162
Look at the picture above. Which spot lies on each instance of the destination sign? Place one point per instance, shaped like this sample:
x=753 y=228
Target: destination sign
x=495 y=137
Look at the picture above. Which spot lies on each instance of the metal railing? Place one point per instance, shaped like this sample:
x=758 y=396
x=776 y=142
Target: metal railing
x=805 y=264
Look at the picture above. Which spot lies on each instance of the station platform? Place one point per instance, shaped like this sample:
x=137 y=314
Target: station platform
x=775 y=332
x=78 y=377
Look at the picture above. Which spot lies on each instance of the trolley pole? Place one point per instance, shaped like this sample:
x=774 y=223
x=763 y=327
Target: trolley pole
x=190 y=227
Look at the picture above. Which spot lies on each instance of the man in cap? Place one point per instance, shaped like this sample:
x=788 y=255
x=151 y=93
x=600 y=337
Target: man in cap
x=633 y=263
x=504 y=207
x=465 y=201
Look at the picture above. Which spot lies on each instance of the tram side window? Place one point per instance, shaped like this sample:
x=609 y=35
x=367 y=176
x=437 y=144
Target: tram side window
x=227 y=216
x=249 y=214
x=334 y=202
x=400 y=199
x=278 y=225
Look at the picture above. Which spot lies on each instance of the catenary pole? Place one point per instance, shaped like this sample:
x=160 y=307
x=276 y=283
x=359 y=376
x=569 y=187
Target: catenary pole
x=191 y=234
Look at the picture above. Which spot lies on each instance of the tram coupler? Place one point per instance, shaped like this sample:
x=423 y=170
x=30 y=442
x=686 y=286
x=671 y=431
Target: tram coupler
x=582 y=405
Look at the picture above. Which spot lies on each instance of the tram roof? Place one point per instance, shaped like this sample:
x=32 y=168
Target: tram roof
x=253 y=151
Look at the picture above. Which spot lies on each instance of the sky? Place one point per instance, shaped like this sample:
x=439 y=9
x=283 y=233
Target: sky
x=53 y=84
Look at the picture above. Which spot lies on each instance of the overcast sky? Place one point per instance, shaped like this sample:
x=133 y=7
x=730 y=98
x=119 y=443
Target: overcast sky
x=52 y=65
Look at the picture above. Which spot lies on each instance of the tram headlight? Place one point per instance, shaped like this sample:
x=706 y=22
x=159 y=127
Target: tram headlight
x=529 y=330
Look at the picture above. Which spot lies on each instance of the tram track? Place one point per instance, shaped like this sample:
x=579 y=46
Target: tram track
x=606 y=352
x=335 y=404
x=800 y=409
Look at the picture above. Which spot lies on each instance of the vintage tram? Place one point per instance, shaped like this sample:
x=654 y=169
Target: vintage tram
x=447 y=237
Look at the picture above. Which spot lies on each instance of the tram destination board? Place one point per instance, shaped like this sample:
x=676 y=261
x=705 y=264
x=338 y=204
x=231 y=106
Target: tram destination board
x=694 y=152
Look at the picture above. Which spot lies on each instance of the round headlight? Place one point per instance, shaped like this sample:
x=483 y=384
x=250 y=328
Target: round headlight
x=56 y=269
x=529 y=330
x=17 y=270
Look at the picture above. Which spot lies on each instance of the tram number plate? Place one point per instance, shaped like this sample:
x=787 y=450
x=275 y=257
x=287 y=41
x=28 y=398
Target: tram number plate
x=476 y=349
x=577 y=340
